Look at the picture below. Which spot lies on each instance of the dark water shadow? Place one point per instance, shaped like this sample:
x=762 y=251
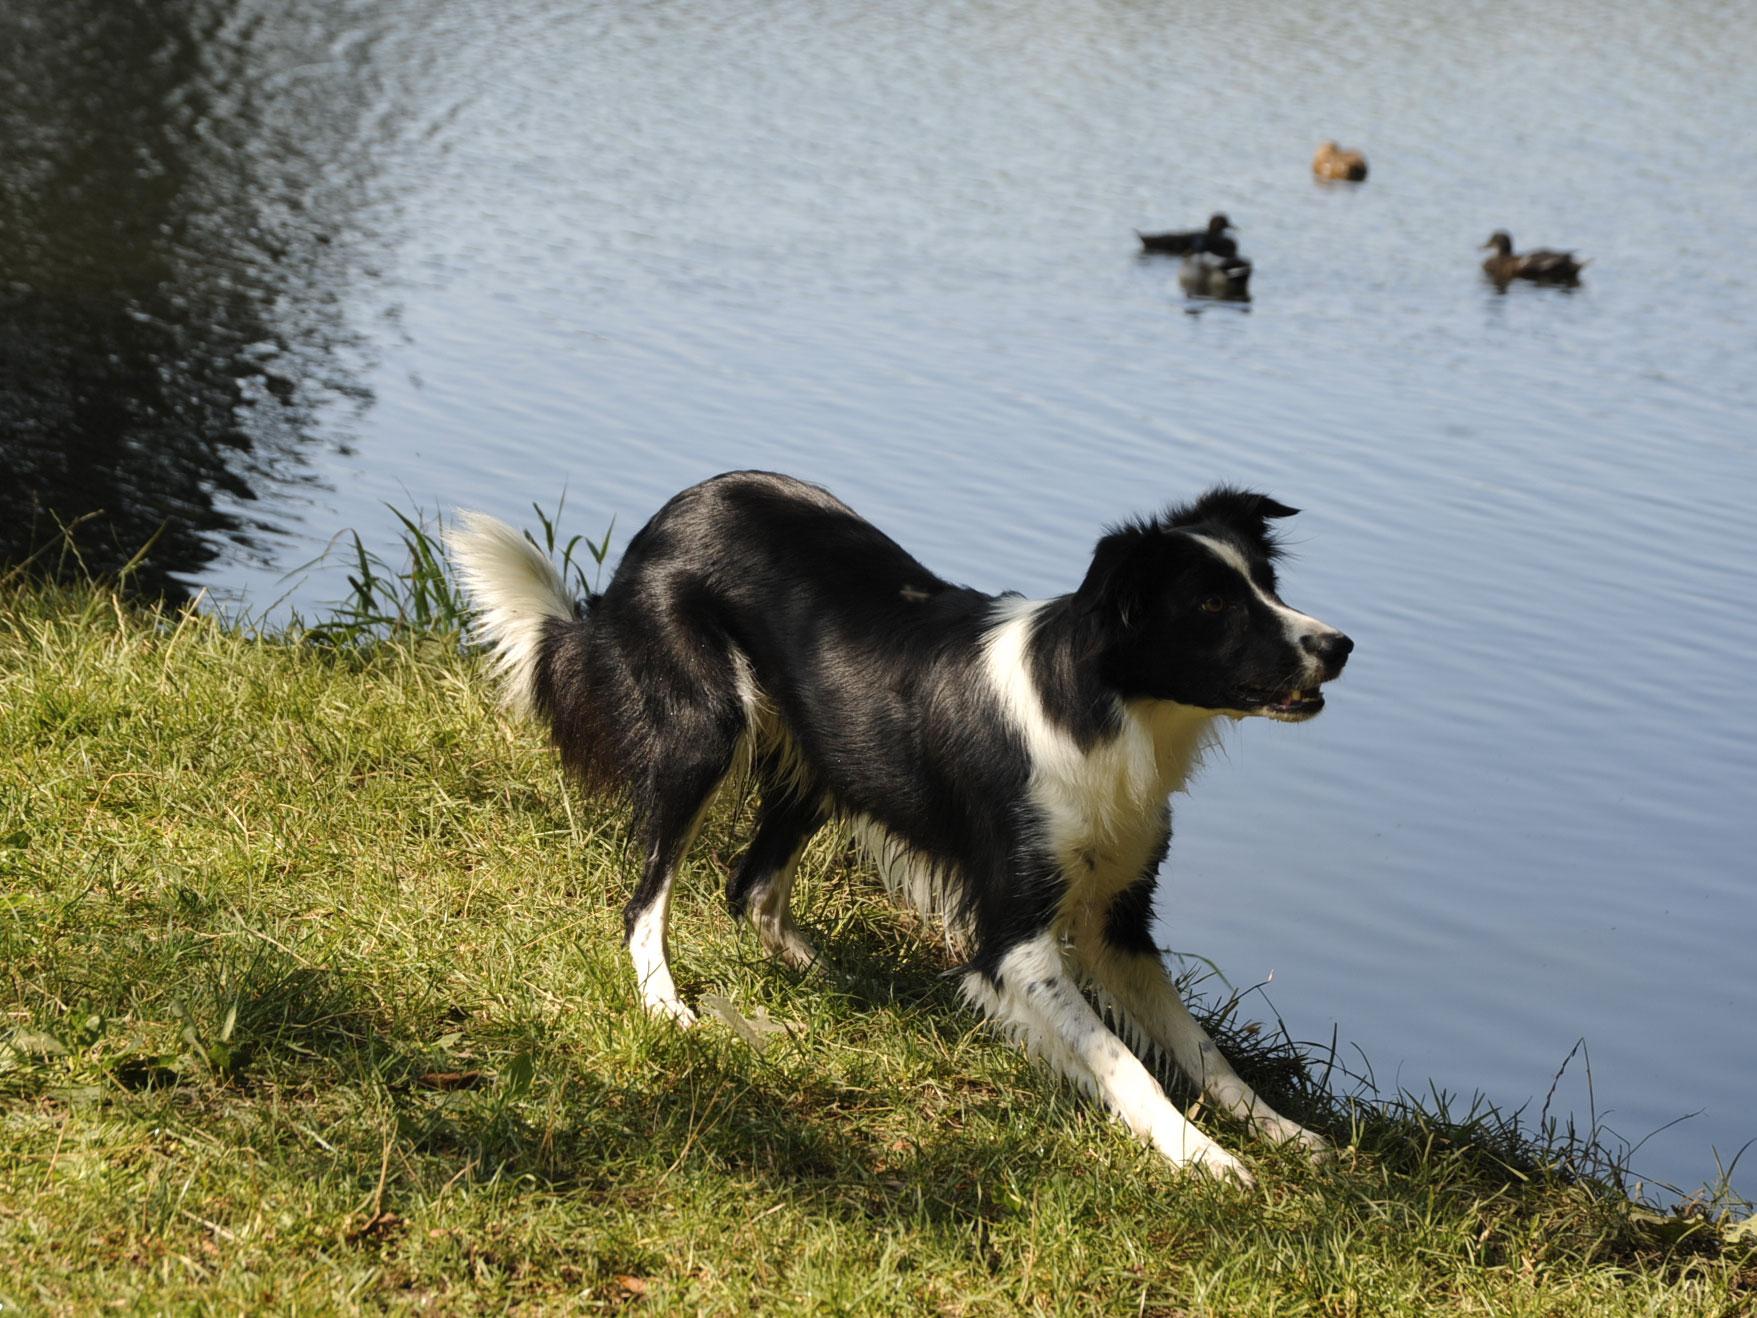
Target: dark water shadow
x=172 y=331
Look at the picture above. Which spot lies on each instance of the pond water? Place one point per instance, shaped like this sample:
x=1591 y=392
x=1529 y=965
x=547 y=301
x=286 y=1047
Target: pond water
x=266 y=267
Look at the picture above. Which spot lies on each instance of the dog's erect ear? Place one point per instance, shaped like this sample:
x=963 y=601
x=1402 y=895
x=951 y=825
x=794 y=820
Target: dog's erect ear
x=1122 y=570
x=1244 y=512
x=1231 y=506
x=1130 y=567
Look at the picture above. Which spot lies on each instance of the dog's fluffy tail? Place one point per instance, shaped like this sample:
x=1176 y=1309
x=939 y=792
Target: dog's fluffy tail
x=522 y=604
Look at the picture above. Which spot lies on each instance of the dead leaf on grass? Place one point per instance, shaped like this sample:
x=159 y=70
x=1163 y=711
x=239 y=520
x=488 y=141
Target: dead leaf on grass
x=376 y=1227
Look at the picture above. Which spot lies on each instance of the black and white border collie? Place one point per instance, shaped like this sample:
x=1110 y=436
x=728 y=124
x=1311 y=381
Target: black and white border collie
x=1007 y=761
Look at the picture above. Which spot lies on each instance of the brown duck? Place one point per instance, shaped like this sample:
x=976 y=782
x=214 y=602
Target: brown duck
x=1335 y=162
x=1541 y=266
x=1213 y=239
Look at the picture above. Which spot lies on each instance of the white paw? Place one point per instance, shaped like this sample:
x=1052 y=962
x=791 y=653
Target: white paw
x=1222 y=1166
x=1280 y=1130
x=797 y=952
x=671 y=1009
x=785 y=943
x=1317 y=1148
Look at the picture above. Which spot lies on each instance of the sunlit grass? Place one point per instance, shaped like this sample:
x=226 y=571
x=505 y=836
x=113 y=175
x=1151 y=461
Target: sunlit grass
x=312 y=996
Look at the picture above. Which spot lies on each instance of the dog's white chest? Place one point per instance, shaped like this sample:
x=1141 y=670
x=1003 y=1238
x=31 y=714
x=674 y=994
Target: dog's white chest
x=1106 y=809
x=1102 y=808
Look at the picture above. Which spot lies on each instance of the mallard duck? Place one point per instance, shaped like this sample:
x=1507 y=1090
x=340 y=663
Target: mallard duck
x=1212 y=239
x=1335 y=162
x=1542 y=266
x=1206 y=274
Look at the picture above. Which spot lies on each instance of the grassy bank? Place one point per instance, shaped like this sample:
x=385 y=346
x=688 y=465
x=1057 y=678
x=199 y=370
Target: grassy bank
x=312 y=996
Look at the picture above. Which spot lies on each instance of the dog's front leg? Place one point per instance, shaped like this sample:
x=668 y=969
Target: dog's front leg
x=1143 y=988
x=1033 y=994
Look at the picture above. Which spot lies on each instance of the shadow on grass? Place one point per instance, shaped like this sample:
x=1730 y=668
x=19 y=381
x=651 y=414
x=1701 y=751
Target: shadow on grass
x=412 y=1096
x=241 y=1023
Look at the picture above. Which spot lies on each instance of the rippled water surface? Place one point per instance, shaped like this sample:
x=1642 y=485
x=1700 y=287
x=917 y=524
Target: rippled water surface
x=264 y=267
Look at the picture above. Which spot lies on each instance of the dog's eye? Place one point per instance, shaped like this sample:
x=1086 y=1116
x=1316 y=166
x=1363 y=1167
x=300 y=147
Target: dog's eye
x=1213 y=604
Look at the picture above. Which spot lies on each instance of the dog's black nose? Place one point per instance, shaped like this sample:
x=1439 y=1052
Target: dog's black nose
x=1331 y=650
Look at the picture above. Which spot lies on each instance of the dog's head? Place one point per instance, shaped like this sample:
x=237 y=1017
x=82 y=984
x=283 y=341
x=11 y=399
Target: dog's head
x=1183 y=607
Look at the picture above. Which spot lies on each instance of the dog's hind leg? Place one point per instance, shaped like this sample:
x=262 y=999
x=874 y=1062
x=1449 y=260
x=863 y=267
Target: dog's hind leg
x=1123 y=963
x=671 y=812
x=1032 y=994
x=763 y=883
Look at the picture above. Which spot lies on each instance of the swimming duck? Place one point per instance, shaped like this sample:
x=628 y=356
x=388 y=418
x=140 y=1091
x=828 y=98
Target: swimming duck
x=1212 y=239
x=1207 y=274
x=1334 y=162
x=1542 y=266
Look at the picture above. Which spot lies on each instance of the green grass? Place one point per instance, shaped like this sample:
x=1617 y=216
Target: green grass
x=312 y=997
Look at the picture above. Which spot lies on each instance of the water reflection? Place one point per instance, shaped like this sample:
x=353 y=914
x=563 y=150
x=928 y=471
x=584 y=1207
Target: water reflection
x=169 y=331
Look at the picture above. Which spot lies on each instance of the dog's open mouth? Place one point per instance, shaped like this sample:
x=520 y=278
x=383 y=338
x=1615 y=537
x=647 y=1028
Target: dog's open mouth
x=1294 y=706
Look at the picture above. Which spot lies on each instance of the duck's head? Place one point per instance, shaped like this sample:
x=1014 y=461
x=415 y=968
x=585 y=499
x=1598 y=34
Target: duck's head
x=1218 y=223
x=1501 y=241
